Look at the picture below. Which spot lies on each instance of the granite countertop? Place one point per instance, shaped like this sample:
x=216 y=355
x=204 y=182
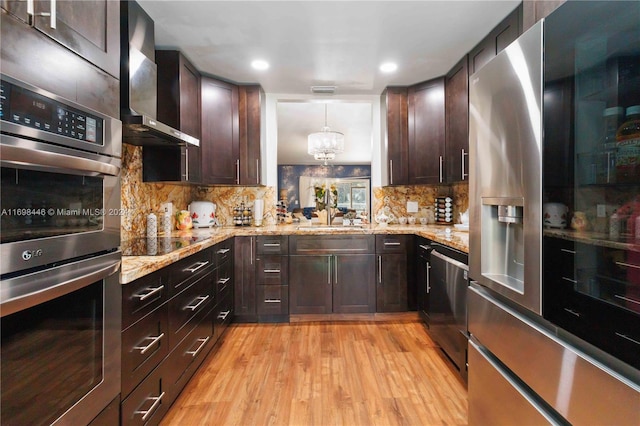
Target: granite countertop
x=134 y=267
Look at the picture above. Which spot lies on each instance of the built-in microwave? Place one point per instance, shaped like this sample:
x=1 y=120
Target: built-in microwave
x=60 y=169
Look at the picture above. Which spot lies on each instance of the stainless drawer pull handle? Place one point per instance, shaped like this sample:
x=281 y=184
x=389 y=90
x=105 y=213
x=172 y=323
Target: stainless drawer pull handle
x=152 y=291
x=570 y=280
x=156 y=402
x=200 y=300
x=223 y=251
x=272 y=271
x=271 y=245
x=464 y=175
x=624 y=336
x=223 y=280
x=196 y=266
x=392 y=244
x=424 y=247
x=203 y=343
x=272 y=300
x=626 y=299
x=155 y=340
x=568 y=251
x=628 y=265
x=223 y=315
x=572 y=312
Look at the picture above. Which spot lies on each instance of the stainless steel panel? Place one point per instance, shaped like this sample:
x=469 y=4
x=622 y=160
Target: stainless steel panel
x=582 y=389
x=505 y=136
x=490 y=383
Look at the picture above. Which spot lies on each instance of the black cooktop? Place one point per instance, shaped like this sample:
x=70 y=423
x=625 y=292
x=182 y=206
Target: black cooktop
x=156 y=246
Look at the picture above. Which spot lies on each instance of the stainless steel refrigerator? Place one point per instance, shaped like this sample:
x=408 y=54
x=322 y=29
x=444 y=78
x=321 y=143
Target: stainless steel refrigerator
x=524 y=367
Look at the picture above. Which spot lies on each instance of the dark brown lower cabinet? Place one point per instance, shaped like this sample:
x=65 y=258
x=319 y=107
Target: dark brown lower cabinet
x=392 y=283
x=332 y=283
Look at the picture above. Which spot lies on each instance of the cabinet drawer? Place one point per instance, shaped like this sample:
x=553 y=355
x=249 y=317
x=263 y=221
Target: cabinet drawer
x=276 y=244
x=185 y=306
x=143 y=347
x=223 y=251
x=331 y=244
x=148 y=403
x=272 y=299
x=224 y=280
x=143 y=296
x=189 y=353
x=392 y=243
x=223 y=315
x=272 y=270
x=184 y=271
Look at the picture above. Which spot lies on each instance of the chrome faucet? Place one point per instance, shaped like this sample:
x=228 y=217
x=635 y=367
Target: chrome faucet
x=327 y=204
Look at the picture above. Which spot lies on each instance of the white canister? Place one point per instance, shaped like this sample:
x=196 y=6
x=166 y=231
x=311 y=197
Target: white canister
x=152 y=225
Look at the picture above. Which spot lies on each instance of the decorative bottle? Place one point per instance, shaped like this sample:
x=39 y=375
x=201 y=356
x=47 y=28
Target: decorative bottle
x=152 y=225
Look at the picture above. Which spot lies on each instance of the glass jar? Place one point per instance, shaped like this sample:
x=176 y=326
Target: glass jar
x=628 y=144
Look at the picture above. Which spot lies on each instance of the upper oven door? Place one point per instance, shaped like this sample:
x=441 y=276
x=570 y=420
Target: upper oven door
x=32 y=113
x=56 y=203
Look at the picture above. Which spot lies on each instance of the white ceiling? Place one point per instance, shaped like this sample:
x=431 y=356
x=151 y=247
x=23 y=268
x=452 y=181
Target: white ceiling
x=340 y=43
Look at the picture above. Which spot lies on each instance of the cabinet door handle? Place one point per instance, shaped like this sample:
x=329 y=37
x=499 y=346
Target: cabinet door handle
x=464 y=175
x=258 y=171
x=200 y=300
x=428 y=279
x=572 y=312
x=626 y=299
x=271 y=271
x=151 y=292
x=223 y=251
x=335 y=269
x=379 y=269
x=154 y=340
x=156 y=402
x=223 y=280
x=440 y=171
x=186 y=164
x=424 y=247
x=329 y=270
x=251 y=250
x=392 y=244
x=52 y=14
x=568 y=251
x=628 y=265
x=203 y=343
x=271 y=245
x=570 y=280
x=223 y=315
x=624 y=336
x=272 y=300
x=391 y=172
x=196 y=266
x=238 y=172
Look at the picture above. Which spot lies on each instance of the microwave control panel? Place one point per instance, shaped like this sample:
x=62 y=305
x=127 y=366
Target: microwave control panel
x=28 y=108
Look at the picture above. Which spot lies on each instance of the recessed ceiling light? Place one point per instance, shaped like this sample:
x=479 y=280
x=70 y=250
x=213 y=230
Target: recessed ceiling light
x=259 y=64
x=388 y=67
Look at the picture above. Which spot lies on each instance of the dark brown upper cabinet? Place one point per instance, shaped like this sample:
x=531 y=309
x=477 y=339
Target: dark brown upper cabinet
x=457 y=119
x=394 y=102
x=179 y=102
x=219 y=142
x=500 y=37
x=426 y=136
x=250 y=99
x=90 y=29
x=535 y=10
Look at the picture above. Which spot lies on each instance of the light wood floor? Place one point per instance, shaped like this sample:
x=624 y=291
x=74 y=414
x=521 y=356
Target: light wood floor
x=323 y=373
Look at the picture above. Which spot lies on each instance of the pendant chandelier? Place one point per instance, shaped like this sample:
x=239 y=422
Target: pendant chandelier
x=325 y=144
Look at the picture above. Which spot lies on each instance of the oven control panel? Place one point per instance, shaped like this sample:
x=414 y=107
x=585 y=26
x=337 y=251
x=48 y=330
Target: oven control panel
x=28 y=108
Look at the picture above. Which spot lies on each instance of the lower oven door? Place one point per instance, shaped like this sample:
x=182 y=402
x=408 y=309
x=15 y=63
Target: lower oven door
x=60 y=350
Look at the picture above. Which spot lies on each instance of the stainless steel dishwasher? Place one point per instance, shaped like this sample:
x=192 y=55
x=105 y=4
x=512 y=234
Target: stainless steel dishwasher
x=448 y=279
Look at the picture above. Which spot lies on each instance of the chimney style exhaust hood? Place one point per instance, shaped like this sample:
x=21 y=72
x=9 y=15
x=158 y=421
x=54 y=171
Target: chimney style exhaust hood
x=139 y=83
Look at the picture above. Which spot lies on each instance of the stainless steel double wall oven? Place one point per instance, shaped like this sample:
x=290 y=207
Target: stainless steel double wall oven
x=59 y=258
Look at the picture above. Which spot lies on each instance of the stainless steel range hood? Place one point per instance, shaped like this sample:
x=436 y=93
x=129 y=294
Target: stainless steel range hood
x=139 y=83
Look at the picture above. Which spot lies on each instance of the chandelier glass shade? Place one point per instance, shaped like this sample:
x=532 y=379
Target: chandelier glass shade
x=325 y=144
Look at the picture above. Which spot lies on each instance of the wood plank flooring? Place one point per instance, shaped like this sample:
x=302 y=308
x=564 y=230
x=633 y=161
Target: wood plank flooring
x=323 y=373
